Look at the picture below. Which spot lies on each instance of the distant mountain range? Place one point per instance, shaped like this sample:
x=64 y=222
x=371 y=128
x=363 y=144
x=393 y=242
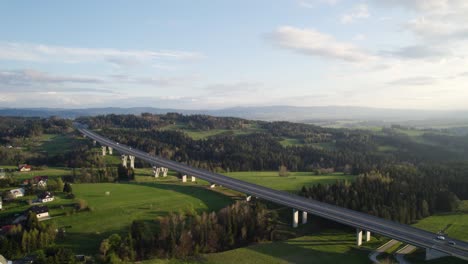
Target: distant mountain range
x=269 y=113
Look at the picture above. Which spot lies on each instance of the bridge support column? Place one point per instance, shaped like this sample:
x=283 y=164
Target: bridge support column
x=184 y=178
x=295 y=218
x=164 y=171
x=194 y=179
x=367 y=236
x=124 y=160
x=110 y=150
x=156 y=171
x=304 y=217
x=103 y=150
x=132 y=161
x=358 y=237
x=434 y=254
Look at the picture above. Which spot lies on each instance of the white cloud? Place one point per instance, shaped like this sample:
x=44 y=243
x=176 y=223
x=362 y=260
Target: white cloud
x=359 y=37
x=314 y=43
x=360 y=11
x=437 y=20
x=28 y=77
x=315 y=3
x=46 y=53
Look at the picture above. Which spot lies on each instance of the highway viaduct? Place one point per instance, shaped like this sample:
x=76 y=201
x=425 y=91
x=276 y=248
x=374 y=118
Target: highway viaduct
x=361 y=221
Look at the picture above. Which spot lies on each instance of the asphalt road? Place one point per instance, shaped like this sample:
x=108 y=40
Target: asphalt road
x=394 y=230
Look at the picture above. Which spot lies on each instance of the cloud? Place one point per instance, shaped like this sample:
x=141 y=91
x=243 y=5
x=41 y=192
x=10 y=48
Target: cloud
x=224 y=89
x=29 y=77
x=414 y=81
x=151 y=80
x=47 y=53
x=417 y=52
x=437 y=20
x=360 y=11
x=314 y=43
x=315 y=3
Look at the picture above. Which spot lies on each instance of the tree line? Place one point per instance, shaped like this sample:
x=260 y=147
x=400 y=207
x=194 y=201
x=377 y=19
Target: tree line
x=401 y=193
x=183 y=235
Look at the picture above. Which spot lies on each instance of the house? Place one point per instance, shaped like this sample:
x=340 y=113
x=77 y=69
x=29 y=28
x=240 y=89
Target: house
x=45 y=197
x=3 y=260
x=17 y=192
x=42 y=212
x=24 y=167
x=40 y=181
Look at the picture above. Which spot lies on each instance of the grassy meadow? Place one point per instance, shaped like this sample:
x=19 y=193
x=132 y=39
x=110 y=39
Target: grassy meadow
x=292 y=183
x=127 y=202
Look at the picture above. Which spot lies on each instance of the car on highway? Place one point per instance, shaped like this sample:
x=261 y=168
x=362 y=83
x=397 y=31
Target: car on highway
x=440 y=238
x=452 y=243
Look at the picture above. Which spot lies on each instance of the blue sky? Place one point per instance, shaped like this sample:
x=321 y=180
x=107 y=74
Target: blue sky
x=216 y=54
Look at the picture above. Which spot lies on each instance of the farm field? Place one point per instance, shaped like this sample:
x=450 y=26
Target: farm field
x=455 y=224
x=203 y=134
x=127 y=202
x=324 y=247
x=291 y=183
x=50 y=171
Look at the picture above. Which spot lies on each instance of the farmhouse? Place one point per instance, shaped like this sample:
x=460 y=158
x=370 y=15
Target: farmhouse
x=17 y=192
x=24 y=167
x=42 y=212
x=40 y=181
x=45 y=197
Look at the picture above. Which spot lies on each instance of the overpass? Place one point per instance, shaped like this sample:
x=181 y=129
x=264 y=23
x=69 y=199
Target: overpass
x=361 y=221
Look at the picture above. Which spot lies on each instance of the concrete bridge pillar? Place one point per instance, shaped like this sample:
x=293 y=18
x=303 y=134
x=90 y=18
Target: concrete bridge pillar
x=110 y=150
x=184 y=178
x=156 y=171
x=103 y=150
x=132 y=161
x=304 y=217
x=434 y=254
x=194 y=179
x=124 y=160
x=295 y=218
x=367 y=236
x=358 y=237
x=164 y=171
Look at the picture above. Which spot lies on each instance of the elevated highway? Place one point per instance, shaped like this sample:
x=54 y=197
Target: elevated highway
x=360 y=221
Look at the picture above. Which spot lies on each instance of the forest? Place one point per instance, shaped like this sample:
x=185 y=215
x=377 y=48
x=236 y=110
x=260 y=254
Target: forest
x=183 y=235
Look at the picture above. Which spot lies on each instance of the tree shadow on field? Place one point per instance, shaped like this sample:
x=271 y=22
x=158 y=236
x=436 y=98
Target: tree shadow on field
x=293 y=251
x=213 y=200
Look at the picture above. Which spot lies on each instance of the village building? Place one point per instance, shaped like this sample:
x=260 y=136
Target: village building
x=17 y=192
x=24 y=167
x=45 y=197
x=41 y=211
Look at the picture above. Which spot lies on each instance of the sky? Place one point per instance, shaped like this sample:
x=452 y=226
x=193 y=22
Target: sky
x=410 y=54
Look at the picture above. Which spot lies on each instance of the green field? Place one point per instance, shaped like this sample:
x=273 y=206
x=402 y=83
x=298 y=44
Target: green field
x=203 y=134
x=325 y=247
x=51 y=172
x=287 y=142
x=55 y=144
x=292 y=183
x=455 y=224
x=127 y=202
